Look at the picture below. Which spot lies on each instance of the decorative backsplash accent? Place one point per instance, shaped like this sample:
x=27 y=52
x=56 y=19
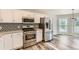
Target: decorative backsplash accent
x=10 y=26
x=4 y=27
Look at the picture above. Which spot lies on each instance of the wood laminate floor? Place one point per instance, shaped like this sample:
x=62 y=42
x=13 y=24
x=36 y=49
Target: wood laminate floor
x=61 y=42
x=42 y=46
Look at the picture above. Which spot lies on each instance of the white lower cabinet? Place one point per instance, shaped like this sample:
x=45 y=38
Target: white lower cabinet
x=38 y=35
x=11 y=41
x=17 y=40
x=1 y=44
x=7 y=41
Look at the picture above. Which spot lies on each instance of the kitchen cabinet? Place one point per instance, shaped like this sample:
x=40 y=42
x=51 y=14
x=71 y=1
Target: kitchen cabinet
x=7 y=41
x=1 y=43
x=17 y=16
x=6 y=15
x=10 y=16
x=37 y=18
x=17 y=40
x=0 y=17
x=38 y=35
x=27 y=14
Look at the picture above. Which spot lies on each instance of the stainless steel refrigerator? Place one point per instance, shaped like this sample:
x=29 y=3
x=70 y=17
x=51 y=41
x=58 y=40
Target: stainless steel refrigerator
x=46 y=24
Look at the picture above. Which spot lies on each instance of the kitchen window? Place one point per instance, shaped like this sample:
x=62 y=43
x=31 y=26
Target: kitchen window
x=67 y=25
x=62 y=25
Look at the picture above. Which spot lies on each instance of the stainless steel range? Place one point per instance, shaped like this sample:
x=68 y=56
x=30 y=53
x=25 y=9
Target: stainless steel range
x=29 y=32
x=29 y=37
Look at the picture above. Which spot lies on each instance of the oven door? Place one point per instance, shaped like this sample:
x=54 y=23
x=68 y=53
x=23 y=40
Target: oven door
x=30 y=36
x=29 y=40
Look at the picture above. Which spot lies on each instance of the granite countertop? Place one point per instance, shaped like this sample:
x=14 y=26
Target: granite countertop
x=10 y=32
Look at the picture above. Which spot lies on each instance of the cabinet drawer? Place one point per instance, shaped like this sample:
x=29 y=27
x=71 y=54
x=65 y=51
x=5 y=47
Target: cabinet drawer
x=30 y=44
x=28 y=41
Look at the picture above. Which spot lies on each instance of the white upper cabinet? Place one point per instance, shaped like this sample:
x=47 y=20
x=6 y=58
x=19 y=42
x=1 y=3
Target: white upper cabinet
x=17 y=16
x=27 y=14
x=10 y=16
x=6 y=15
x=0 y=17
x=37 y=17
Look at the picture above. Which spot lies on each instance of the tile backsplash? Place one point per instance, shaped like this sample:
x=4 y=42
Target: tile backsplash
x=14 y=26
x=10 y=26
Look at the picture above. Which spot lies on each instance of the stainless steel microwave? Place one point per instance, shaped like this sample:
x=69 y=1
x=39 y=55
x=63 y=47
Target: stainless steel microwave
x=27 y=20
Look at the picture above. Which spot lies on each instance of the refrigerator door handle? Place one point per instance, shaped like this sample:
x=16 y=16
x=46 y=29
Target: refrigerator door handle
x=49 y=24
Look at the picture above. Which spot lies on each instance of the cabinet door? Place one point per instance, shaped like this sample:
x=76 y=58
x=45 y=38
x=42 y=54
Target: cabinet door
x=39 y=35
x=37 y=18
x=1 y=44
x=17 y=16
x=27 y=14
x=0 y=17
x=6 y=15
x=17 y=40
x=7 y=41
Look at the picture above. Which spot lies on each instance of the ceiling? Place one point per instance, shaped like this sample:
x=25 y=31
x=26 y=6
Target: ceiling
x=53 y=11
x=45 y=11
